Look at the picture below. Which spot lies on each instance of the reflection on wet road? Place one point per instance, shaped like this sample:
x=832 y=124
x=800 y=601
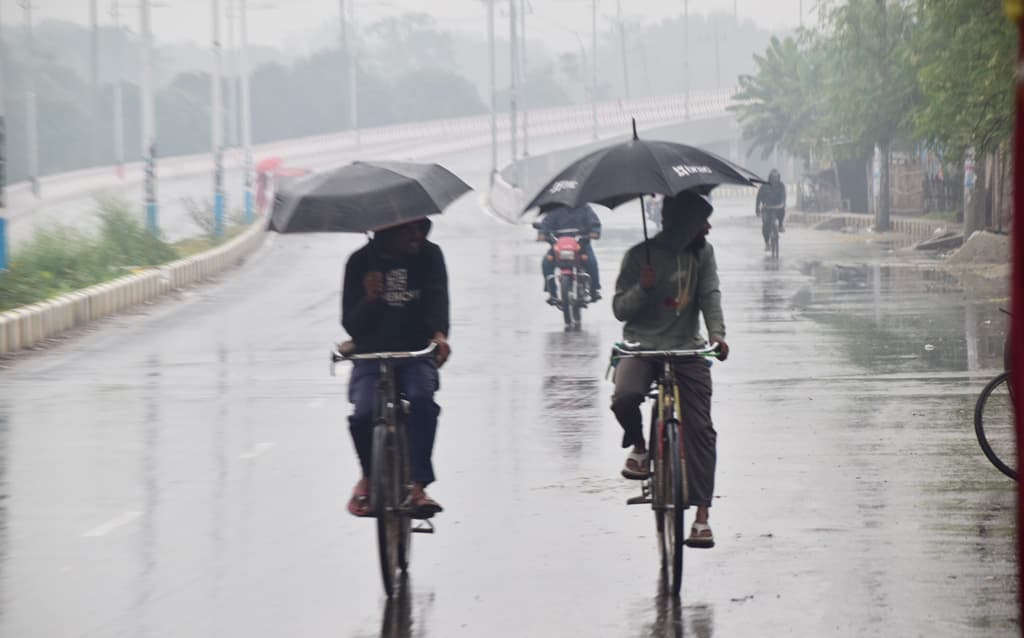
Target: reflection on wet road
x=183 y=471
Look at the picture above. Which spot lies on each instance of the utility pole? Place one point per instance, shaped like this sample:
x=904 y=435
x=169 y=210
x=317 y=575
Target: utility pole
x=718 y=64
x=115 y=14
x=30 y=101
x=494 y=92
x=3 y=172
x=686 y=58
x=232 y=137
x=622 y=45
x=246 y=112
x=217 y=115
x=593 y=65
x=522 y=77
x=353 y=70
x=801 y=14
x=513 y=115
x=148 y=121
x=94 y=65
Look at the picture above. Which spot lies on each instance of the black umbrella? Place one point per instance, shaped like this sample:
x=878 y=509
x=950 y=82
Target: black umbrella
x=618 y=173
x=365 y=196
x=615 y=174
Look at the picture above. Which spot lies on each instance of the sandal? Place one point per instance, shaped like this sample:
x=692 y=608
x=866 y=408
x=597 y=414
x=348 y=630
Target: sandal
x=700 y=536
x=359 y=505
x=423 y=506
x=636 y=467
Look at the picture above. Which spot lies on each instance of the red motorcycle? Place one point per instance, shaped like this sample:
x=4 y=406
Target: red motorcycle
x=571 y=281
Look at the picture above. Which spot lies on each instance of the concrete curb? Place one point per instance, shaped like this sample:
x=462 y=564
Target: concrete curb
x=25 y=327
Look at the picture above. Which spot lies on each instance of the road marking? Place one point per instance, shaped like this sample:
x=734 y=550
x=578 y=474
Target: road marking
x=112 y=524
x=257 y=450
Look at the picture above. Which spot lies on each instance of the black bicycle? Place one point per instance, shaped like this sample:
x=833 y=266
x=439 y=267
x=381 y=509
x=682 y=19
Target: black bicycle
x=390 y=486
x=667 y=489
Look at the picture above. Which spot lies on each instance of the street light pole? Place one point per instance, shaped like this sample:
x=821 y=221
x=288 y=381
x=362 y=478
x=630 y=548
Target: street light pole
x=686 y=58
x=513 y=115
x=353 y=69
x=118 y=97
x=593 y=64
x=3 y=173
x=622 y=44
x=30 y=101
x=232 y=137
x=148 y=120
x=94 y=64
x=494 y=91
x=216 y=125
x=522 y=77
x=246 y=111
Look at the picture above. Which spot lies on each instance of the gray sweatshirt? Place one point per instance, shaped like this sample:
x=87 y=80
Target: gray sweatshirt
x=666 y=317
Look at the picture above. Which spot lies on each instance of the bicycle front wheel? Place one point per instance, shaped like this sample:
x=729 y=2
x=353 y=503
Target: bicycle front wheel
x=994 y=424
x=384 y=502
x=675 y=531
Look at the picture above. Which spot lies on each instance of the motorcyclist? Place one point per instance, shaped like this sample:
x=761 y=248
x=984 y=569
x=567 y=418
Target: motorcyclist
x=560 y=218
x=771 y=199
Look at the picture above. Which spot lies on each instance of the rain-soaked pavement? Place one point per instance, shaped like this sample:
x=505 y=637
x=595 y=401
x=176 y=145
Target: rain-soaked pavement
x=182 y=471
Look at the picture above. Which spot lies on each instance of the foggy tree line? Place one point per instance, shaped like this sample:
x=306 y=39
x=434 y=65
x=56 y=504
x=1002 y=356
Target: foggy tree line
x=896 y=76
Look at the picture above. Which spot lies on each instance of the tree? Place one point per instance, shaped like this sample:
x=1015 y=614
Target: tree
x=434 y=94
x=966 y=80
x=873 y=85
x=781 y=105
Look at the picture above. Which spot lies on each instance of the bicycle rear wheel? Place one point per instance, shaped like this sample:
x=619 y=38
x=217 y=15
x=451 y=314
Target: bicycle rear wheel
x=774 y=238
x=384 y=501
x=994 y=424
x=675 y=531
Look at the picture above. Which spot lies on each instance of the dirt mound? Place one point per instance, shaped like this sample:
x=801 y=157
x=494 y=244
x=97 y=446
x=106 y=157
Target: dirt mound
x=982 y=248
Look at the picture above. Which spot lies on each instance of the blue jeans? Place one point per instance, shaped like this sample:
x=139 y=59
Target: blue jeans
x=547 y=268
x=416 y=380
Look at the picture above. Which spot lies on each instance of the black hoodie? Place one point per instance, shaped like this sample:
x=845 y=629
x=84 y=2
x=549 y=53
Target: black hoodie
x=412 y=308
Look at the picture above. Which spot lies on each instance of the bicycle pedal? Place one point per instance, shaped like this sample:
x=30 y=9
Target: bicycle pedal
x=638 y=500
x=424 y=527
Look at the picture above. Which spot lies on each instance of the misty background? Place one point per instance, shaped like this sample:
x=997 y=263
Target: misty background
x=413 y=65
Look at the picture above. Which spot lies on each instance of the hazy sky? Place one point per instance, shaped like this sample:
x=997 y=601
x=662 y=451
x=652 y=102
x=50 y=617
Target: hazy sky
x=284 y=22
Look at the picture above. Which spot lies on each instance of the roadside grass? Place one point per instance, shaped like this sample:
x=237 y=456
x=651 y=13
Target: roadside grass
x=61 y=259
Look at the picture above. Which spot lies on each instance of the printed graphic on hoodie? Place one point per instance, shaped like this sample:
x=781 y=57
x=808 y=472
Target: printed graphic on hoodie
x=396 y=288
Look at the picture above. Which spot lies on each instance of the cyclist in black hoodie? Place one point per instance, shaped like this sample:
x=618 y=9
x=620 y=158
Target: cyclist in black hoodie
x=395 y=298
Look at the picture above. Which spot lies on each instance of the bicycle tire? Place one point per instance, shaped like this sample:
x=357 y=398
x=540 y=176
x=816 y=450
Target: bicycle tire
x=564 y=283
x=675 y=529
x=774 y=238
x=979 y=423
x=383 y=502
x=404 y=521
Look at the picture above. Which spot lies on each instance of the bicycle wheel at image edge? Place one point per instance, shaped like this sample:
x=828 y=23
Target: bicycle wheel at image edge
x=675 y=530
x=383 y=496
x=994 y=424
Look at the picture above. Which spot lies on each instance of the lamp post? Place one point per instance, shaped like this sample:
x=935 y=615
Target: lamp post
x=115 y=15
x=246 y=111
x=494 y=91
x=593 y=65
x=148 y=121
x=31 y=125
x=216 y=127
x=3 y=174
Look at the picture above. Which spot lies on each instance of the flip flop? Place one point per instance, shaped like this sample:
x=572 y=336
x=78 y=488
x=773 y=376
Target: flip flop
x=700 y=537
x=638 y=470
x=359 y=505
x=425 y=507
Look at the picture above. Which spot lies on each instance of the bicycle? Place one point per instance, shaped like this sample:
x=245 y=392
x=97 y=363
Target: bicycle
x=773 y=229
x=390 y=485
x=667 y=489
x=995 y=405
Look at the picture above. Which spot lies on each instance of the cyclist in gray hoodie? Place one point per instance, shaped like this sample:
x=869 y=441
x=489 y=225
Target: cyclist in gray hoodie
x=660 y=299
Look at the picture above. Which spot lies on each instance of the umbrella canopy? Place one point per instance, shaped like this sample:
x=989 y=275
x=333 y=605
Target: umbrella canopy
x=618 y=173
x=365 y=196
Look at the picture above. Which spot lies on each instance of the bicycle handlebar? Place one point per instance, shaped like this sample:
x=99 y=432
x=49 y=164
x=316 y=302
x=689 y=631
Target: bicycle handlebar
x=337 y=355
x=628 y=349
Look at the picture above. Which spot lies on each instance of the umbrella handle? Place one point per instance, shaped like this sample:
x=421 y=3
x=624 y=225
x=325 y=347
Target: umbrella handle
x=643 y=219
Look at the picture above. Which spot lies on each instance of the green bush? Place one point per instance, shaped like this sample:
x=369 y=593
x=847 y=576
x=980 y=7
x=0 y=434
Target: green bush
x=61 y=259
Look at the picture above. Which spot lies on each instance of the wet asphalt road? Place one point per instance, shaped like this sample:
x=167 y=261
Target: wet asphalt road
x=182 y=471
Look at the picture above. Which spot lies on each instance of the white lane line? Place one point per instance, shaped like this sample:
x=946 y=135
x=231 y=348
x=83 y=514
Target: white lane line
x=257 y=450
x=112 y=524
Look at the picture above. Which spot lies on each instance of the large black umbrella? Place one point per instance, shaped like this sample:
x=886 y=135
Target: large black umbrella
x=365 y=196
x=618 y=173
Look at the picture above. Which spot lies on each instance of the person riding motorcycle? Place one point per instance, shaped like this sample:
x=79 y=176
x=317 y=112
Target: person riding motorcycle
x=558 y=218
x=771 y=199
